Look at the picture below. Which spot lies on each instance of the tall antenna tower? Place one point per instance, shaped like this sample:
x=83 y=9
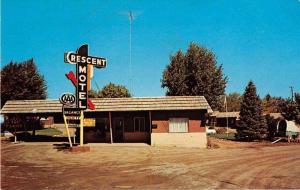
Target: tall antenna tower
x=131 y=18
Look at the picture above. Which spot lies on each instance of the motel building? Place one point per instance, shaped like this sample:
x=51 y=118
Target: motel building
x=158 y=121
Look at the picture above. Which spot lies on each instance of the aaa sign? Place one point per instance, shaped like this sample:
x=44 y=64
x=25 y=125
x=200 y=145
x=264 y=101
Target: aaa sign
x=68 y=99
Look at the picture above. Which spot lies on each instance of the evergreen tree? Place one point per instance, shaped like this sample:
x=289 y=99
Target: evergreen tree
x=21 y=81
x=195 y=73
x=252 y=124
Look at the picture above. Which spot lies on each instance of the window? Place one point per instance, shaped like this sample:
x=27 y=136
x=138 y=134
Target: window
x=139 y=124
x=178 y=125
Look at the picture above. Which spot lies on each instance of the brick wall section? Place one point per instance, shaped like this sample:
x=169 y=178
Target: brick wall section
x=161 y=120
x=162 y=126
x=194 y=126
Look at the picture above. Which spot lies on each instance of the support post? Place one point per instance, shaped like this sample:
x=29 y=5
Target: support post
x=150 y=126
x=110 y=128
x=81 y=128
x=67 y=129
x=150 y=121
x=226 y=116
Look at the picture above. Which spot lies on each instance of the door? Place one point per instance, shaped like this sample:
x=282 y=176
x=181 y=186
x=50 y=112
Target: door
x=101 y=128
x=118 y=129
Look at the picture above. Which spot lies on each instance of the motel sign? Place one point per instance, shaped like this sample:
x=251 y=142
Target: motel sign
x=82 y=60
x=84 y=64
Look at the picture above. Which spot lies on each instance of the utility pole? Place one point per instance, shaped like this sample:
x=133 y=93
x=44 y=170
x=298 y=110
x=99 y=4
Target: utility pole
x=225 y=102
x=292 y=91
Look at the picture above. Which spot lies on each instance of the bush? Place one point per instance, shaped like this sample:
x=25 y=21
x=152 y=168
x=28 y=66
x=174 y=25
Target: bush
x=220 y=130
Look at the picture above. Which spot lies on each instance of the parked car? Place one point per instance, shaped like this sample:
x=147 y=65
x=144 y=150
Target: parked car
x=7 y=134
x=210 y=130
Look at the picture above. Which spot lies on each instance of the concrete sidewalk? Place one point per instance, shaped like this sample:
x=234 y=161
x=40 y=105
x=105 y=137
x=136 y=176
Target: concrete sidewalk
x=88 y=144
x=119 y=144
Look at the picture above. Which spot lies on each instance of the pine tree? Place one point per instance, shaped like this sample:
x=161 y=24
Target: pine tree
x=195 y=73
x=252 y=124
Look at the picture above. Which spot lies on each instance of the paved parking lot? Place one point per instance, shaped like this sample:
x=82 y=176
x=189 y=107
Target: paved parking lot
x=43 y=166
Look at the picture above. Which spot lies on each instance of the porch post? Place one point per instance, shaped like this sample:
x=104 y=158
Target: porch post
x=81 y=127
x=110 y=127
x=150 y=121
x=150 y=125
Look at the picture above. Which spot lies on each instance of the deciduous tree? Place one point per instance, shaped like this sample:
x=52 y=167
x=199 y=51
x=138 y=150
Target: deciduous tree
x=233 y=102
x=272 y=104
x=114 y=91
x=195 y=73
x=291 y=110
x=21 y=81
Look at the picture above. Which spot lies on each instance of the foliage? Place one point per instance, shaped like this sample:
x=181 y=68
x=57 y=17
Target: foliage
x=252 y=125
x=272 y=124
x=93 y=94
x=195 y=73
x=272 y=104
x=233 y=102
x=111 y=91
x=291 y=110
x=17 y=122
x=20 y=81
x=297 y=99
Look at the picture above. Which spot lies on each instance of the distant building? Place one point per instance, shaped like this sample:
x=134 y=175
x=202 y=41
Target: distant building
x=219 y=119
x=172 y=121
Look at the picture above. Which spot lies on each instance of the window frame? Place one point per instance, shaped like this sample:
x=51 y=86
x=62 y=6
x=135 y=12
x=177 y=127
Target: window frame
x=134 y=124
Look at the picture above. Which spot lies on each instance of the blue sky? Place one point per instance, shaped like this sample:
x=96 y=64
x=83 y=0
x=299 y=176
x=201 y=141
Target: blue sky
x=258 y=40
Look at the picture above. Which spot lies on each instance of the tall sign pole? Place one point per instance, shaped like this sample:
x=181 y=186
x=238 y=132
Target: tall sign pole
x=84 y=64
x=81 y=90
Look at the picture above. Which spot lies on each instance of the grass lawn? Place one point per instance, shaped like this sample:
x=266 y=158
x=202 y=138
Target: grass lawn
x=47 y=132
x=231 y=136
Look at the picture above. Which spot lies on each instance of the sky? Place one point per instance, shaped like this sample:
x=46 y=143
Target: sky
x=254 y=40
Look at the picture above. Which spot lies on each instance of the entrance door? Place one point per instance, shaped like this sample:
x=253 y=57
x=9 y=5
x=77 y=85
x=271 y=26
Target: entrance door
x=101 y=128
x=118 y=129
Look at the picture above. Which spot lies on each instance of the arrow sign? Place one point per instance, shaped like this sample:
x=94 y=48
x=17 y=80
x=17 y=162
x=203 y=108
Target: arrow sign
x=72 y=78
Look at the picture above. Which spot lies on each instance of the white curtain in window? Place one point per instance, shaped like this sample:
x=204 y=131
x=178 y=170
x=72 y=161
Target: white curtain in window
x=178 y=125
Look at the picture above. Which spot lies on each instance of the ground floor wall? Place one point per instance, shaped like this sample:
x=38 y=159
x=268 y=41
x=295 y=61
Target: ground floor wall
x=179 y=139
x=152 y=127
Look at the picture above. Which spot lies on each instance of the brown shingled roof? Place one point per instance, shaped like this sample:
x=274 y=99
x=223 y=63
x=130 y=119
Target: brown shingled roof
x=112 y=104
x=218 y=114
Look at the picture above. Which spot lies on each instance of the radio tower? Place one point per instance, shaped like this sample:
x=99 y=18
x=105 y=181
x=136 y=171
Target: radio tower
x=131 y=17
